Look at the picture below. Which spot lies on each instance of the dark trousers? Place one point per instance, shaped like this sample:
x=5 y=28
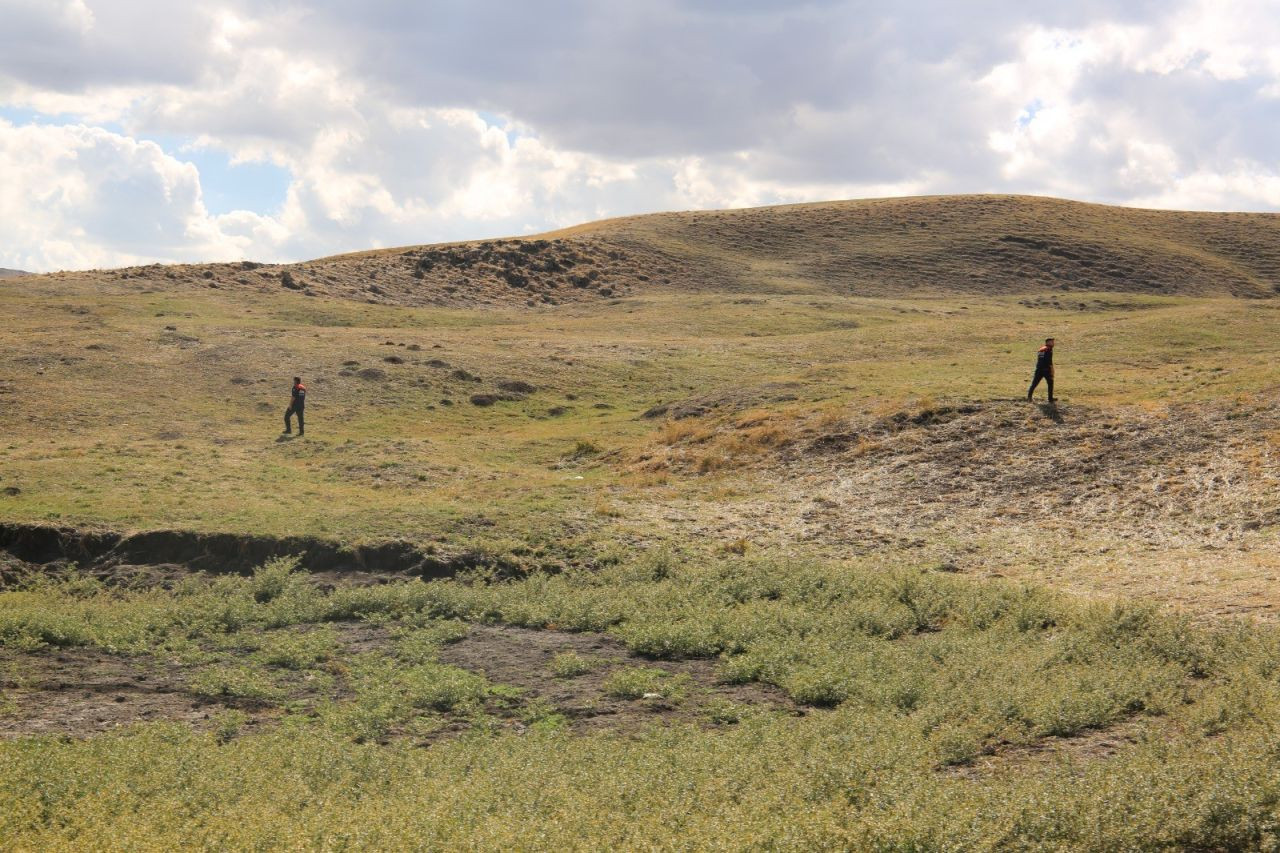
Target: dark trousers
x=1047 y=377
x=297 y=410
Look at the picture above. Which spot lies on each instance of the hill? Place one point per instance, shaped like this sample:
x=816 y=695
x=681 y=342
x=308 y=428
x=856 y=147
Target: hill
x=879 y=247
x=6 y=273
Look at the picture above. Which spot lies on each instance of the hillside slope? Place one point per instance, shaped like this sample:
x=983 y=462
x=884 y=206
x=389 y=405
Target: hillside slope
x=879 y=247
x=966 y=244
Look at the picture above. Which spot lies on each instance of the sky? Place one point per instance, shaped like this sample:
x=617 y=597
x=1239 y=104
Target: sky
x=136 y=131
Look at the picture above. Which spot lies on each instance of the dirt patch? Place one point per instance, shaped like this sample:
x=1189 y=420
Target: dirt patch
x=85 y=691
x=1208 y=469
x=1211 y=471
x=523 y=658
x=81 y=692
x=1178 y=505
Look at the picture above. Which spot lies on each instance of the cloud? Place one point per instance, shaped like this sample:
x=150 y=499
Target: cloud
x=77 y=196
x=1142 y=113
x=401 y=122
x=79 y=45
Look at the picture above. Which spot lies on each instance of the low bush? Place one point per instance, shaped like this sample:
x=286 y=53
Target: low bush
x=236 y=682
x=571 y=665
x=640 y=682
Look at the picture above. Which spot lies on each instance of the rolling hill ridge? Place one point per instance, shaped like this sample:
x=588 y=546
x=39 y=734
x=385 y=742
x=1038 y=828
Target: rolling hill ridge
x=880 y=247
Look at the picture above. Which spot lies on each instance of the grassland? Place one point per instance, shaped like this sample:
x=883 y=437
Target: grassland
x=938 y=714
x=114 y=419
x=795 y=563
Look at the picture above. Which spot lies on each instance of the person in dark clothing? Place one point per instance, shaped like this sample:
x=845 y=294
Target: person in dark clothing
x=1044 y=369
x=297 y=406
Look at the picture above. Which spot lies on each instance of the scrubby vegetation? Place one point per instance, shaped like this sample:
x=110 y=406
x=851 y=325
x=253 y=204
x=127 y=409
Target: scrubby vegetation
x=919 y=687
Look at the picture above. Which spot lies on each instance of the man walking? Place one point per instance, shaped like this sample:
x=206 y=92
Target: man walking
x=297 y=406
x=1044 y=370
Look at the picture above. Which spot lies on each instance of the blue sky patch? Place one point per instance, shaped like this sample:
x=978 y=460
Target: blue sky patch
x=258 y=187
x=1028 y=114
x=495 y=120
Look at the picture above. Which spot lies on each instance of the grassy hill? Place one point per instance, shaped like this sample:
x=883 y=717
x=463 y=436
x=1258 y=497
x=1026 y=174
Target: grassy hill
x=961 y=244
x=879 y=247
x=762 y=547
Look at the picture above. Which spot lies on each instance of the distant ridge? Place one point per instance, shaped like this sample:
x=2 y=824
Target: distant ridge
x=978 y=244
x=4 y=273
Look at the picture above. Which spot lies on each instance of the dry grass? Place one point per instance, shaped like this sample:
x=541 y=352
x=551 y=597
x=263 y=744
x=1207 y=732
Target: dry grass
x=709 y=444
x=967 y=244
x=110 y=417
x=1176 y=502
x=978 y=245
x=608 y=509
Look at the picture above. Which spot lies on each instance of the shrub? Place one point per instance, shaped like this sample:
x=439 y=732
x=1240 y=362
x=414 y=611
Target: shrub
x=441 y=688
x=817 y=686
x=686 y=638
x=228 y=724
x=571 y=665
x=421 y=645
x=298 y=650
x=272 y=578
x=237 y=682
x=638 y=682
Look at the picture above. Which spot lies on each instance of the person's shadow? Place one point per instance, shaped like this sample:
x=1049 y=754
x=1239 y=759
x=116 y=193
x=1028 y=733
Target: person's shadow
x=284 y=436
x=1050 y=411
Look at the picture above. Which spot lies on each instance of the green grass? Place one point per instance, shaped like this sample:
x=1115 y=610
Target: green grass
x=236 y=682
x=905 y=675
x=637 y=682
x=768 y=783
x=571 y=665
x=188 y=448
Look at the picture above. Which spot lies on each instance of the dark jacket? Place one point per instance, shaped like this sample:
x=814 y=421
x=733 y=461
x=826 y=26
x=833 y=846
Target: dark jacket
x=1044 y=361
x=298 y=397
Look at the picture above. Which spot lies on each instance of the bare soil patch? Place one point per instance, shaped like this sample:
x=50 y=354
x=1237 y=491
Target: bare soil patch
x=1208 y=471
x=523 y=658
x=1177 y=503
x=80 y=692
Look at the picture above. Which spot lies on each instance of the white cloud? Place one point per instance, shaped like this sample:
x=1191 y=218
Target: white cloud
x=1243 y=188
x=76 y=196
x=402 y=122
